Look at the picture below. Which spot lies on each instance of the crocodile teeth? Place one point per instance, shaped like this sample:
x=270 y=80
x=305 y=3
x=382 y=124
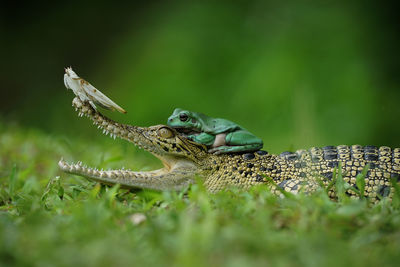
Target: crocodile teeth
x=77 y=167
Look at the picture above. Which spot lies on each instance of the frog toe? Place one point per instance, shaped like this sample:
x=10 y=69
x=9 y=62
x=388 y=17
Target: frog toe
x=214 y=151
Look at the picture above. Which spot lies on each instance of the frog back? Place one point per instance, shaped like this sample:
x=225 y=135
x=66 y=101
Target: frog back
x=217 y=126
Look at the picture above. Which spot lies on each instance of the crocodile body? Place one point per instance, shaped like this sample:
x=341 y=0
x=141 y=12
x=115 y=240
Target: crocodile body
x=291 y=170
x=184 y=160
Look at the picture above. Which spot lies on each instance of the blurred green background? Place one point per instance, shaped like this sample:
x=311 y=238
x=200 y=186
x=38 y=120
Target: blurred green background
x=296 y=73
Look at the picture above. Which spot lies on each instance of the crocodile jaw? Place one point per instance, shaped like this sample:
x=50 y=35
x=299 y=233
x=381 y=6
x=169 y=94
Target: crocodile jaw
x=163 y=179
x=178 y=170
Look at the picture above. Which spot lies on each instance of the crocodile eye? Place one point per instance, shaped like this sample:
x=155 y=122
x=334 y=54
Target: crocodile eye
x=183 y=117
x=165 y=133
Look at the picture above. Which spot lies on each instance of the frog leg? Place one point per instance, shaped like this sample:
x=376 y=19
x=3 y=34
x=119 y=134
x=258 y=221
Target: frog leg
x=202 y=138
x=239 y=141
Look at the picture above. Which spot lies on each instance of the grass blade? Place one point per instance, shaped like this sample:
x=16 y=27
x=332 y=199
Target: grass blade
x=12 y=182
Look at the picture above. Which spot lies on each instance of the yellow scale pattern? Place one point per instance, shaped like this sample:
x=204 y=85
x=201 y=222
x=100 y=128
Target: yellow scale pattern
x=298 y=171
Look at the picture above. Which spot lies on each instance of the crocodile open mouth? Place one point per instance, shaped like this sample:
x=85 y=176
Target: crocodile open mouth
x=159 y=140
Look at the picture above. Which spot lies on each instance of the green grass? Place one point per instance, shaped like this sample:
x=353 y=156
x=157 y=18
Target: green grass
x=53 y=219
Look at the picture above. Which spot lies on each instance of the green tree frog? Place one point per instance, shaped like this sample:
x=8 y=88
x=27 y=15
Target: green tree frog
x=220 y=135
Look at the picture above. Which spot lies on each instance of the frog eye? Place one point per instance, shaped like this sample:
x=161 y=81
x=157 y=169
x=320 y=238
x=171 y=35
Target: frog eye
x=183 y=117
x=165 y=133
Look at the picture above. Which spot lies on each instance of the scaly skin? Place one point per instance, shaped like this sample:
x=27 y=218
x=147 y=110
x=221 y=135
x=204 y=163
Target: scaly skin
x=184 y=160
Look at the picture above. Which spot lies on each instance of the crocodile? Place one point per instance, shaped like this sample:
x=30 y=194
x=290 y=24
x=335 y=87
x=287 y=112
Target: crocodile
x=187 y=162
